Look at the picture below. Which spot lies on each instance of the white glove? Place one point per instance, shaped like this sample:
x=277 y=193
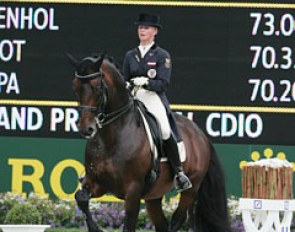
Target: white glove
x=140 y=81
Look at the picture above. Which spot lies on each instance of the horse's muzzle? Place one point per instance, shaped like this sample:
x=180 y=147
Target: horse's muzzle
x=88 y=131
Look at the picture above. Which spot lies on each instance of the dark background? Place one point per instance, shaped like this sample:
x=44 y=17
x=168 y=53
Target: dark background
x=209 y=48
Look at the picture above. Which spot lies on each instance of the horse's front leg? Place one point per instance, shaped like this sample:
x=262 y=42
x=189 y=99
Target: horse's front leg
x=82 y=197
x=132 y=205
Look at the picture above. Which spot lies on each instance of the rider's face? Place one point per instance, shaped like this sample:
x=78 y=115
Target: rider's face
x=146 y=34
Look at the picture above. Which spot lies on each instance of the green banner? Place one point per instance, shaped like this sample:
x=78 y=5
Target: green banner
x=53 y=166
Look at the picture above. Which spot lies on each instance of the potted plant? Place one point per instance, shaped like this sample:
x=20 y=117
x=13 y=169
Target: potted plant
x=23 y=217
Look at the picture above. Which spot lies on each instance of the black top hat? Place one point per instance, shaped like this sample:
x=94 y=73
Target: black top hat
x=149 y=20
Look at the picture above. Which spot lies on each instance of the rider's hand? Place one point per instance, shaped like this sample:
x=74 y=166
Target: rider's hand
x=140 y=81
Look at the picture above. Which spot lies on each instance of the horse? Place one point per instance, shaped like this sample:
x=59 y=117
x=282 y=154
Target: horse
x=118 y=157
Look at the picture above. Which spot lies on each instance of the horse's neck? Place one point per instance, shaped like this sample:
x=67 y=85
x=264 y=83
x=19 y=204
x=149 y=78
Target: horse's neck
x=117 y=102
x=118 y=98
x=123 y=120
x=110 y=139
x=118 y=94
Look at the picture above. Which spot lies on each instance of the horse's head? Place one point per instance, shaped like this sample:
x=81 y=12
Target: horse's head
x=100 y=89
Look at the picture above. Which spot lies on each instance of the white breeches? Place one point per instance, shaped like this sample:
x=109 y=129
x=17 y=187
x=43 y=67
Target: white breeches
x=154 y=105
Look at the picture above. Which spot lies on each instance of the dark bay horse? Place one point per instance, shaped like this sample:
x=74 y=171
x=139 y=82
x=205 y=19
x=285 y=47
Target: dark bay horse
x=118 y=157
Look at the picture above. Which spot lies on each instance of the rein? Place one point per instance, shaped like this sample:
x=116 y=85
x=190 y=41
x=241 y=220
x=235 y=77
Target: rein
x=103 y=119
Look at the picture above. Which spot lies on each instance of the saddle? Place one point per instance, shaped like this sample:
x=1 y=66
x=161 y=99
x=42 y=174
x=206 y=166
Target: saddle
x=152 y=127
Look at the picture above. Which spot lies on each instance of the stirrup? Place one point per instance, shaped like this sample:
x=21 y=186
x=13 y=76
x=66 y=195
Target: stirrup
x=182 y=182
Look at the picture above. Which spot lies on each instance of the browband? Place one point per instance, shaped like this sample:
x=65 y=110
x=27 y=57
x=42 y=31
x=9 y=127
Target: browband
x=89 y=76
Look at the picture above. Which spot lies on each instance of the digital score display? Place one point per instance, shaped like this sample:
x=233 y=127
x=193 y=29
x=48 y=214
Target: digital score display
x=233 y=63
x=274 y=57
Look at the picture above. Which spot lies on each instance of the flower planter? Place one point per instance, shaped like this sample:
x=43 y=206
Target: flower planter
x=24 y=228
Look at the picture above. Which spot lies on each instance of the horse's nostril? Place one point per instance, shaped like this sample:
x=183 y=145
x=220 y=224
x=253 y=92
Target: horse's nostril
x=87 y=131
x=90 y=130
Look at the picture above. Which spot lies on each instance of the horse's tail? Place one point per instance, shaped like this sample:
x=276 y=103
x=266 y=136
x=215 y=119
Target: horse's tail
x=211 y=209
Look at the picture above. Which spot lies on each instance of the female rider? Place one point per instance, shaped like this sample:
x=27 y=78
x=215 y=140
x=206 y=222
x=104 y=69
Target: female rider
x=149 y=66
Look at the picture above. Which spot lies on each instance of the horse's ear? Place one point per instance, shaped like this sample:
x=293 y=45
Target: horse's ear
x=73 y=61
x=100 y=60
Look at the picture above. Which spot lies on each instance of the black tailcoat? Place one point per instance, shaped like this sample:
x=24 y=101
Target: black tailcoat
x=156 y=65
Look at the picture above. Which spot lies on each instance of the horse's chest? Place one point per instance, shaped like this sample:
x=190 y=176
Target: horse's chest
x=108 y=176
x=101 y=167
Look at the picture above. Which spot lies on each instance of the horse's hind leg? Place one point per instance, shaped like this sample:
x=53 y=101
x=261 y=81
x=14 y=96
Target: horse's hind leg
x=180 y=215
x=82 y=197
x=192 y=218
x=154 y=209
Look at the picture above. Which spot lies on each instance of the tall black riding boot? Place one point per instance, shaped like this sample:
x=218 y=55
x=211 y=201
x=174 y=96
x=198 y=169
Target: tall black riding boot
x=171 y=150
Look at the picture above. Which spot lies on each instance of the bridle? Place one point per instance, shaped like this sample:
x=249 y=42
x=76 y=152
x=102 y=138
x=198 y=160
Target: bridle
x=102 y=118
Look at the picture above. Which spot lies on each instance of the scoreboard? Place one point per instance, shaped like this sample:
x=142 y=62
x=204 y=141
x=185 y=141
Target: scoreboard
x=233 y=64
x=234 y=60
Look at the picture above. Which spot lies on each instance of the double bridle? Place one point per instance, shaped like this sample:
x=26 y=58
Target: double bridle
x=102 y=118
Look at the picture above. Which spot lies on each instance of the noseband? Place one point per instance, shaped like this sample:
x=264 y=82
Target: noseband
x=102 y=118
